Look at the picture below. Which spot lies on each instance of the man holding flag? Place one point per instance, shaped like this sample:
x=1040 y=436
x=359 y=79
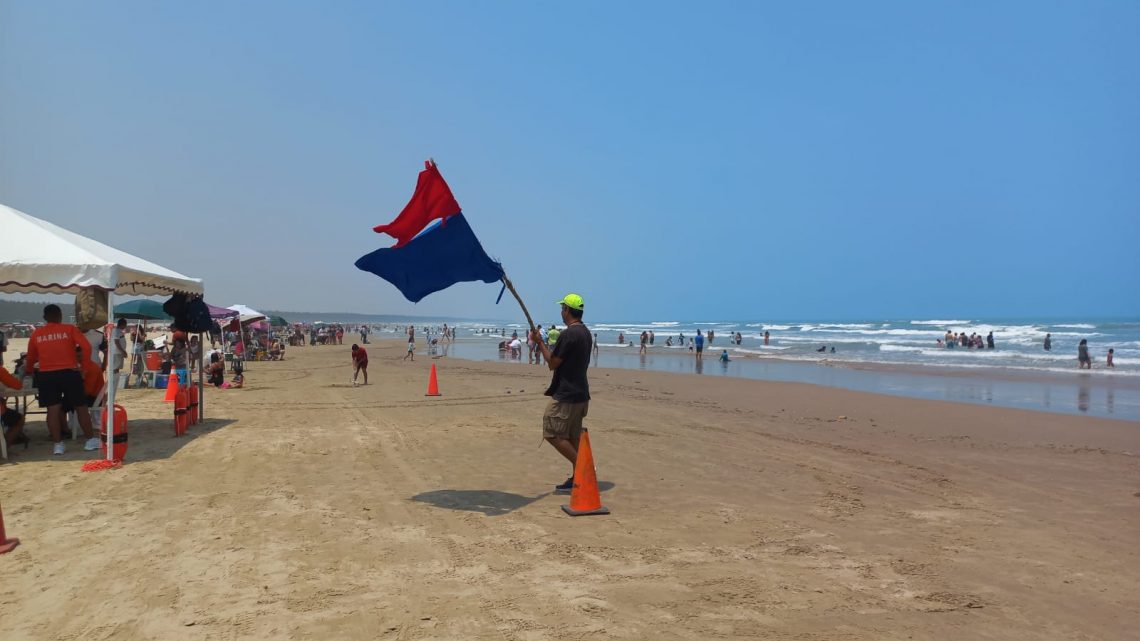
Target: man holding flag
x=569 y=389
x=435 y=249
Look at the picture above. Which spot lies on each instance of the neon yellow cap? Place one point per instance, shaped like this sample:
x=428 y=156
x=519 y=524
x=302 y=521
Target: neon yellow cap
x=573 y=301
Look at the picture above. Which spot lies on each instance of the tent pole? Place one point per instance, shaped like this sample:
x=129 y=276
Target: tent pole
x=138 y=326
x=109 y=410
x=201 y=379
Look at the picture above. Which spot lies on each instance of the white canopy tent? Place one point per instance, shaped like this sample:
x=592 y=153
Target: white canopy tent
x=247 y=314
x=40 y=257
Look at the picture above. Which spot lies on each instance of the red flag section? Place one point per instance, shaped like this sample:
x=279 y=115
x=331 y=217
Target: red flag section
x=431 y=200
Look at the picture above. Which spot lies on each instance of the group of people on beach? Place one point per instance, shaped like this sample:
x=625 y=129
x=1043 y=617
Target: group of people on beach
x=960 y=339
x=648 y=338
x=513 y=346
x=327 y=335
x=977 y=341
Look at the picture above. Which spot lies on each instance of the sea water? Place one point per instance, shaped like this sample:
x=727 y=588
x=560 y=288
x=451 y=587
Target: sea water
x=1019 y=345
x=899 y=357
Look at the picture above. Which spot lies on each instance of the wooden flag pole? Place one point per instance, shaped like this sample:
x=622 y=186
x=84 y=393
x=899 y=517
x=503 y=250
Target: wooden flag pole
x=510 y=286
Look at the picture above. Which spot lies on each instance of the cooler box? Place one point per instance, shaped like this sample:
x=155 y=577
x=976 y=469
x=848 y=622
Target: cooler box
x=154 y=360
x=160 y=381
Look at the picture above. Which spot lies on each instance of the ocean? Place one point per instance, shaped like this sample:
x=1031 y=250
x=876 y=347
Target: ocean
x=1018 y=344
x=898 y=357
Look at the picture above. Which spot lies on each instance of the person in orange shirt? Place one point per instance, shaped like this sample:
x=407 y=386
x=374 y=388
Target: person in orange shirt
x=92 y=381
x=11 y=421
x=53 y=348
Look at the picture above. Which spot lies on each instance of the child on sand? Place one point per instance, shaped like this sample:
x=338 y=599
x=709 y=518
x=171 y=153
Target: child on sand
x=216 y=370
x=237 y=383
x=359 y=363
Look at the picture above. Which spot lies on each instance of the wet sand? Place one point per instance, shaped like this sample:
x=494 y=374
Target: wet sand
x=305 y=508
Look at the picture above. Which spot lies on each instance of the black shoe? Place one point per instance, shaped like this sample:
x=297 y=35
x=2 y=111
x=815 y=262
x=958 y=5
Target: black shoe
x=566 y=487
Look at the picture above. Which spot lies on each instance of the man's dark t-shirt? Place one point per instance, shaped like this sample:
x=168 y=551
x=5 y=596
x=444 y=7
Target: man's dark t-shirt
x=569 y=384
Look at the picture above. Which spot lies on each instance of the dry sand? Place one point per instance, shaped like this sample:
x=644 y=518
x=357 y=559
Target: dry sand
x=305 y=508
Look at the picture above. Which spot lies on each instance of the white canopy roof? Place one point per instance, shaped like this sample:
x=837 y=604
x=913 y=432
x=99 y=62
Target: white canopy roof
x=39 y=257
x=247 y=314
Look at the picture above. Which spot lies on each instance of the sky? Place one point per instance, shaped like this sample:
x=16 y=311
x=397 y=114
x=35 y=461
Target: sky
x=666 y=160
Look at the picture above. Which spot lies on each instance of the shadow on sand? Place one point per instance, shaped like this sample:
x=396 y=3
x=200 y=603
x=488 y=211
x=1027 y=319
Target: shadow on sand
x=149 y=439
x=488 y=502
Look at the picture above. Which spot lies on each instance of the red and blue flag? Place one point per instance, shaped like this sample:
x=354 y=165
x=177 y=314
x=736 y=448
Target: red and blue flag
x=425 y=261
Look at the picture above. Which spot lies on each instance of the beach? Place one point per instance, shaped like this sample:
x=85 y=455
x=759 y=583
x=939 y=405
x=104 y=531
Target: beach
x=306 y=508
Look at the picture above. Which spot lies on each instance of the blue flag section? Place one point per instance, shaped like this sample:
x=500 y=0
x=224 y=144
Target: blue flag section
x=436 y=259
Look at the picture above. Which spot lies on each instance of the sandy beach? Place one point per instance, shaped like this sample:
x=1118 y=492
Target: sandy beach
x=305 y=508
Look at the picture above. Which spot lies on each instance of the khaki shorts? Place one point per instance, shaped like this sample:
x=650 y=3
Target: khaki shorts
x=564 y=420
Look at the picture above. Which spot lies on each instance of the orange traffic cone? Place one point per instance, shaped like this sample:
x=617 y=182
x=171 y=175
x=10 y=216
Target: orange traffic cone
x=584 y=498
x=433 y=383
x=6 y=544
x=171 y=388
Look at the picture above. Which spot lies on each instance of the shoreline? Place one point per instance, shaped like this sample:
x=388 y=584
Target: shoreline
x=1082 y=394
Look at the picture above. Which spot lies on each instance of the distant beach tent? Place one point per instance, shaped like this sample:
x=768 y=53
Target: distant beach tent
x=38 y=257
x=247 y=314
x=141 y=309
x=41 y=257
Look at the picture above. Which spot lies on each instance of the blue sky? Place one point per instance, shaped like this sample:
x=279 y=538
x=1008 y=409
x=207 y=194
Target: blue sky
x=709 y=161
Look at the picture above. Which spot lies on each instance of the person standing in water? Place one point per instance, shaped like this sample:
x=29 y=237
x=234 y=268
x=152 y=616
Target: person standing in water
x=990 y=341
x=1048 y=342
x=1083 y=359
x=1109 y=362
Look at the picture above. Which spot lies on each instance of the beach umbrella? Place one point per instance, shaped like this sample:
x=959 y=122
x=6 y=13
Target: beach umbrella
x=218 y=313
x=141 y=309
x=277 y=321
